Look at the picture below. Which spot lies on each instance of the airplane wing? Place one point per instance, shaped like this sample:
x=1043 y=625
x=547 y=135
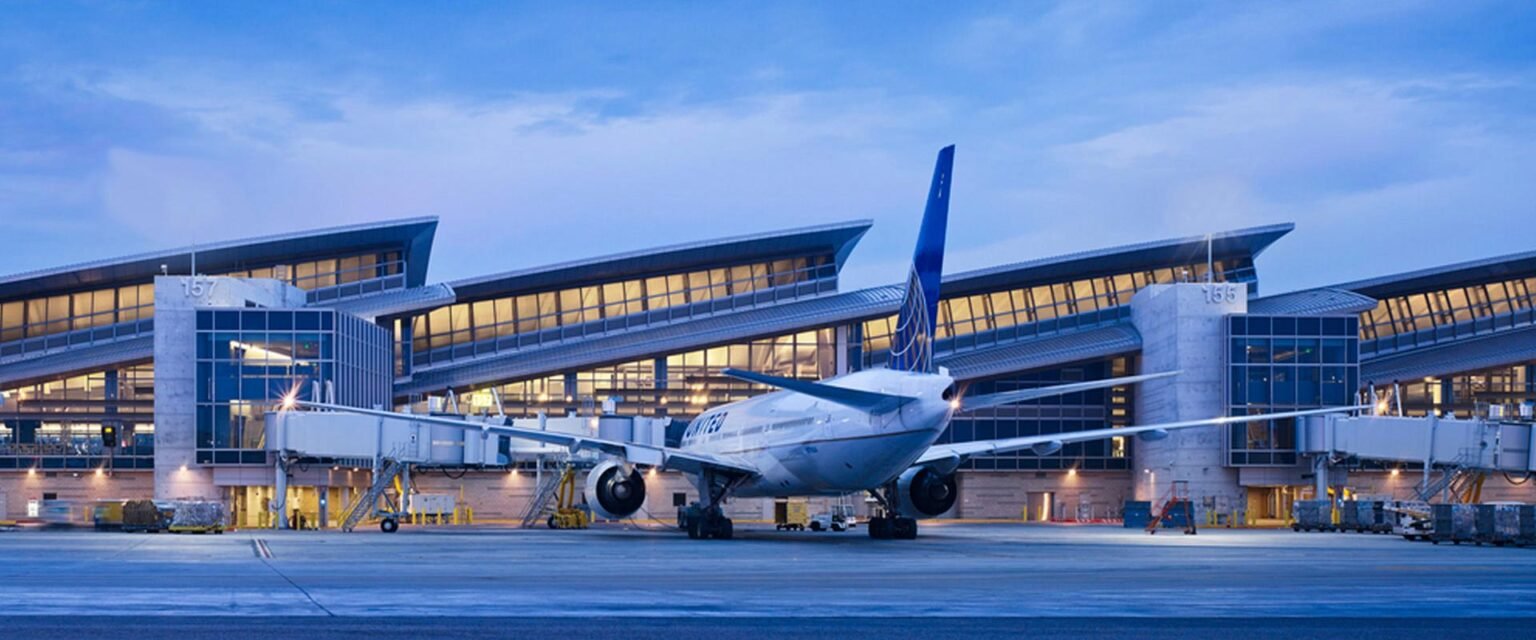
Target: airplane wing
x=971 y=403
x=940 y=454
x=869 y=401
x=667 y=458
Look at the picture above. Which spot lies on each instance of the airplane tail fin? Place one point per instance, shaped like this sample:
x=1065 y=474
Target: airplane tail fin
x=912 y=349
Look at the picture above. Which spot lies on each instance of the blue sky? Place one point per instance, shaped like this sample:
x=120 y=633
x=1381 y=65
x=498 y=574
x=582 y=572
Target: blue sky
x=1395 y=134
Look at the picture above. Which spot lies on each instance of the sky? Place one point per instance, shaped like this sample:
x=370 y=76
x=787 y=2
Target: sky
x=1395 y=135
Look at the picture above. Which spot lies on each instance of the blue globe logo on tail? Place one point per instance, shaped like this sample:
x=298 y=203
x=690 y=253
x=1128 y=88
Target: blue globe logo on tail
x=912 y=349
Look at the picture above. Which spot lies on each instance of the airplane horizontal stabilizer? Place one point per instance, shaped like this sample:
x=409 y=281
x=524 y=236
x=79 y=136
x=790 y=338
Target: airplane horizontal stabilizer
x=869 y=401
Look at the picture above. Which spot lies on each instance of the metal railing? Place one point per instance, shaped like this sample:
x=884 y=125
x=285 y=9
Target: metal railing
x=607 y=326
x=355 y=289
x=1445 y=333
x=30 y=347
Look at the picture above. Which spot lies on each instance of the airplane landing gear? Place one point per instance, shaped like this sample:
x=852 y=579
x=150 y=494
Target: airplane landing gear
x=890 y=525
x=708 y=521
x=702 y=523
x=893 y=528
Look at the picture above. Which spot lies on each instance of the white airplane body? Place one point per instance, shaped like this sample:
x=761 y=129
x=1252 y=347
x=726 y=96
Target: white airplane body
x=804 y=445
x=871 y=430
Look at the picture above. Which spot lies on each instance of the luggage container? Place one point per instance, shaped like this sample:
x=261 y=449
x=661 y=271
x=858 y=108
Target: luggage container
x=1527 y=517
x=1497 y=524
x=1454 y=523
x=1372 y=516
x=1312 y=515
x=1349 y=516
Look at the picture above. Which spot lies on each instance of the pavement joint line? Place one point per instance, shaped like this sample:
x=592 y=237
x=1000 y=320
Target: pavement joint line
x=295 y=585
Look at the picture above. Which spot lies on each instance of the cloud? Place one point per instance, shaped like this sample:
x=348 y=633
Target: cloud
x=518 y=181
x=1368 y=170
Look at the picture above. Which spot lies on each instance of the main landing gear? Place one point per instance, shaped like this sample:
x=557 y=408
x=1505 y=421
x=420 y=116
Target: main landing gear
x=705 y=521
x=890 y=525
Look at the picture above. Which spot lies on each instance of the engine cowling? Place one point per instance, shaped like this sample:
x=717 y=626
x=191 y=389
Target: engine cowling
x=612 y=492
x=924 y=491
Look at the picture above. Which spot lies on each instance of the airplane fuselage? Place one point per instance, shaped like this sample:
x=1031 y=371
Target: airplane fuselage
x=808 y=446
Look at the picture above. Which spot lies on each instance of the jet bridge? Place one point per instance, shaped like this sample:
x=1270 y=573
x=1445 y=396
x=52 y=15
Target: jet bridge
x=343 y=435
x=397 y=444
x=1461 y=451
x=1487 y=445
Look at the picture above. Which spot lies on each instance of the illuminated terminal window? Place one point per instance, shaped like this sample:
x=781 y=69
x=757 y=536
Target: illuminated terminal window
x=329 y=272
x=50 y=315
x=57 y=424
x=1426 y=318
x=485 y=321
x=679 y=385
x=247 y=360
x=1040 y=309
x=1468 y=394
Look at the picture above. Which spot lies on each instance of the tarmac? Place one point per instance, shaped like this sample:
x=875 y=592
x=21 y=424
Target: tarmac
x=470 y=577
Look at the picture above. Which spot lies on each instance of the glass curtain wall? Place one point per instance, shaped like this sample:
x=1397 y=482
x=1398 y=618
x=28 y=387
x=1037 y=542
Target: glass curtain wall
x=680 y=385
x=1095 y=409
x=984 y=319
x=445 y=332
x=249 y=359
x=1469 y=394
x=57 y=424
x=1286 y=363
x=1420 y=319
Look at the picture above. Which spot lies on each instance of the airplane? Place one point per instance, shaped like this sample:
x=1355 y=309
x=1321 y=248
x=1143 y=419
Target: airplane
x=867 y=431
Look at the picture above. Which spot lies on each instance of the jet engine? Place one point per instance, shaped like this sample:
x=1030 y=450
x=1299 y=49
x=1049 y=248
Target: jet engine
x=614 y=492
x=926 y=492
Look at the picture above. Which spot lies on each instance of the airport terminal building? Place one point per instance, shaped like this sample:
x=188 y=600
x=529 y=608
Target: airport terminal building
x=152 y=375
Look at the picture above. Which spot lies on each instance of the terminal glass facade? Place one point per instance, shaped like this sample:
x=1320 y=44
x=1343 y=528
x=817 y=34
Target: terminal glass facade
x=679 y=384
x=985 y=319
x=1082 y=411
x=1469 y=394
x=58 y=424
x=329 y=272
x=487 y=326
x=57 y=314
x=1285 y=363
x=1422 y=319
x=249 y=359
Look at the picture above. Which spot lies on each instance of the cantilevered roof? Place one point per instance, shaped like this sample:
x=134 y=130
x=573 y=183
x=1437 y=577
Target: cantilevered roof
x=1514 y=265
x=394 y=302
x=413 y=236
x=1248 y=242
x=823 y=311
x=1313 y=302
x=837 y=239
x=1052 y=351
x=76 y=360
x=1497 y=350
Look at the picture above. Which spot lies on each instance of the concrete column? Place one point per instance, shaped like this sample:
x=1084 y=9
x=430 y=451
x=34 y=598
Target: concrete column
x=1183 y=328
x=280 y=493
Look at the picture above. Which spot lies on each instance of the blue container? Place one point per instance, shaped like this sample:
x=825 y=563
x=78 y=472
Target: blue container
x=1137 y=514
